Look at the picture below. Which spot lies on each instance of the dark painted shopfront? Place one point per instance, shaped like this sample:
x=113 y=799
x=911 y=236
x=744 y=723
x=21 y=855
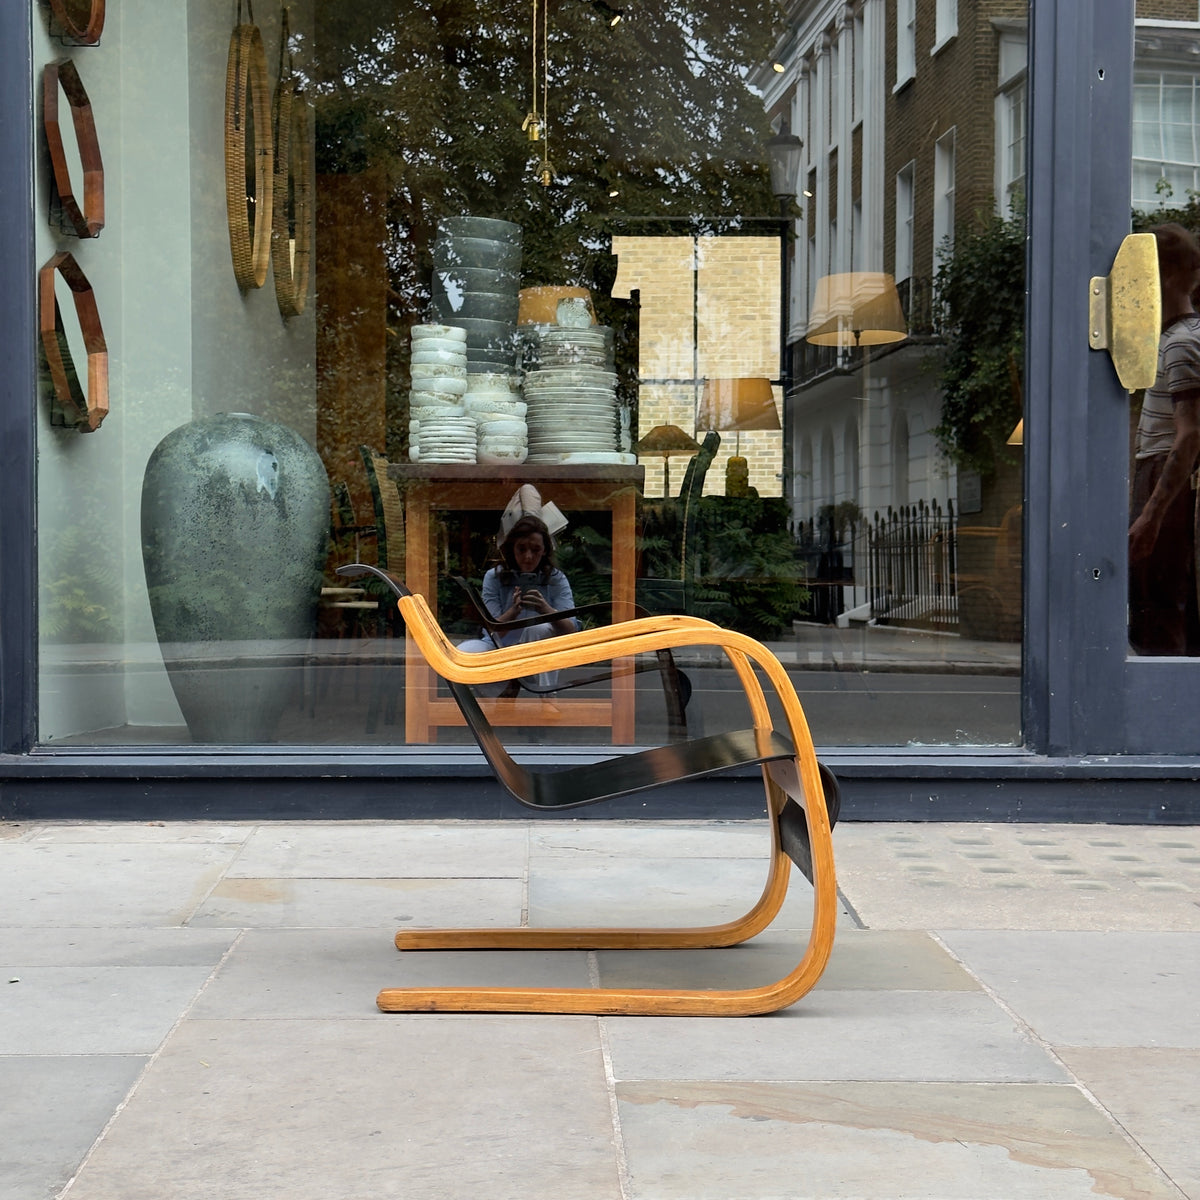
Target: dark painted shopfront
x=789 y=317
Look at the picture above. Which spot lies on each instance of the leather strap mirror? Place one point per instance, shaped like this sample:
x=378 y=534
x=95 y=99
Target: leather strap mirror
x=86 y=219
x=71 y=404
x=79 y=21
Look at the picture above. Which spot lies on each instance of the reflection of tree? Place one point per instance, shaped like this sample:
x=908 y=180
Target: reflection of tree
x=435 y=93
x=980 y=301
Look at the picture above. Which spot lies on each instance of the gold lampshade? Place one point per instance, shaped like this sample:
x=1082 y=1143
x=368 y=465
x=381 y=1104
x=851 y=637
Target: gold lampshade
x=737 y=404
x=666 y=440
x=856 y=308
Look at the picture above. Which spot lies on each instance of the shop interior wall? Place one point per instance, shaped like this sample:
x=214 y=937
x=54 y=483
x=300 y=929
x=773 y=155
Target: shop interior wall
x=183 y=341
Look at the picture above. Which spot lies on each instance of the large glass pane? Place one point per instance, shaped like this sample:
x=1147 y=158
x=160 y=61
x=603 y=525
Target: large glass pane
x=1164 y=618
x=533 y=260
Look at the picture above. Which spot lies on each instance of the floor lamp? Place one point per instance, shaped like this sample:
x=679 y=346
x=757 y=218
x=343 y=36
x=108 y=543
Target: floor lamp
x=666 y=440
x=731 y=405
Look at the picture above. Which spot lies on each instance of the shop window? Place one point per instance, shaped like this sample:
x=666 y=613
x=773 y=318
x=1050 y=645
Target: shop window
x=943 y=195
x=947 y=23
x=906 y=41
x=626 y=238
x=904 y=221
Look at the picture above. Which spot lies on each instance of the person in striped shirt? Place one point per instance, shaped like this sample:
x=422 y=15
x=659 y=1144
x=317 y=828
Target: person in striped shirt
x=1164 y=617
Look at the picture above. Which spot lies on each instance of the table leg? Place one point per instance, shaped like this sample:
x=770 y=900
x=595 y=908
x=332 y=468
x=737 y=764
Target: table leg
x=624 y=589
x=418 y=575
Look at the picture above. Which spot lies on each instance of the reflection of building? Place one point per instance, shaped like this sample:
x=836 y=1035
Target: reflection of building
x=709 y=310
x=913 y=120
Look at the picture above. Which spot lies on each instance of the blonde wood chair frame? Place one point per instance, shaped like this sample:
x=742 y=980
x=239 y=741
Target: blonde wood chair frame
x=795 y=786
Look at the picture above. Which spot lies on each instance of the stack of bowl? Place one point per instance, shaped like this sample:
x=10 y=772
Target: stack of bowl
x=440 y=428
x=499 y=412
x=476 y=286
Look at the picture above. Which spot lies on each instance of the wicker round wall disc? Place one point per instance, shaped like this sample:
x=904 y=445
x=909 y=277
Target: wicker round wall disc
x=248 y=157
x=291 y=224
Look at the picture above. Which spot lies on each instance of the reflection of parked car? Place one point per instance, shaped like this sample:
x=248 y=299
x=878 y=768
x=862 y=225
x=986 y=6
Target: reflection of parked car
x=989 y=579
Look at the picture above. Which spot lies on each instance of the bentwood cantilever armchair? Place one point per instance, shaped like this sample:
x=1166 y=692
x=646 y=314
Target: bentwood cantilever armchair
x=801 y=803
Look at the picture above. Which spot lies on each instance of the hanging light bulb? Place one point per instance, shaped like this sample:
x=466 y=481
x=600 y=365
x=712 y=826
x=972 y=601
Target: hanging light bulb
x=532 y=125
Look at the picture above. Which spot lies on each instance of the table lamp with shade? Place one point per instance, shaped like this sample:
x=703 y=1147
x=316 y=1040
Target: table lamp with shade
x=732 y=405
x=666 y=440
x=856 y=308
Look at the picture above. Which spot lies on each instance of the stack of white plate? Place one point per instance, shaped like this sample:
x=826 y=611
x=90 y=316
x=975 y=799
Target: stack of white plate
x=439 y=427
x=571 y=396
x=499 y=412
x=448 y=438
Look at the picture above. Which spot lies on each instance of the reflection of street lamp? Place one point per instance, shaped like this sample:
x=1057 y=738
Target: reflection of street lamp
x=784 y=152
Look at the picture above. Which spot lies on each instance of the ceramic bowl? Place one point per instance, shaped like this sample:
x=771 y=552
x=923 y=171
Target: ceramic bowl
x=479 y=306
x=476 y=253
x=477 y=279
x=422 y=357
x=490 y=228
x=446 y=384
x=445 y=332
x=430 y=370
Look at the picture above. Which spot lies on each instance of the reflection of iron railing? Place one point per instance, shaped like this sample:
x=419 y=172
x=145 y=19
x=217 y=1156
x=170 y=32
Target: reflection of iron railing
x=828 y=559
x=913 y=565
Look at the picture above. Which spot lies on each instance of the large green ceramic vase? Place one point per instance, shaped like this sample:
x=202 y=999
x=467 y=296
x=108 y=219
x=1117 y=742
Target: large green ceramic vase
x=235 y=520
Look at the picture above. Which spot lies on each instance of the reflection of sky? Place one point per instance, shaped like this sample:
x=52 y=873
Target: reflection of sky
x=453 y=288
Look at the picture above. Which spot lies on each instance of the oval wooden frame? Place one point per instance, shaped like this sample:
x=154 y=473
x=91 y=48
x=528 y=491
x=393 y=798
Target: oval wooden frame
x=246 y=85
x=291 y=119
x=84 y=220
x=83 y=35
x=71 y=405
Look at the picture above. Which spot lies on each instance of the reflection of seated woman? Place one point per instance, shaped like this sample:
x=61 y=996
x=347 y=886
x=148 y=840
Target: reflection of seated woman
x=526 y=550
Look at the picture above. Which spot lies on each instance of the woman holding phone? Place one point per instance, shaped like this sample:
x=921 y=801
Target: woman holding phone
x=525 y=583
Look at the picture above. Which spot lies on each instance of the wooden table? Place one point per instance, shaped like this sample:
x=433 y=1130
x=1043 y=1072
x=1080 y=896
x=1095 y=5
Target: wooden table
x=426 y=488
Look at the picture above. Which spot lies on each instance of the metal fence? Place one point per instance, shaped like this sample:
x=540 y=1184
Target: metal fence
x=895 y=568
x=912 y=566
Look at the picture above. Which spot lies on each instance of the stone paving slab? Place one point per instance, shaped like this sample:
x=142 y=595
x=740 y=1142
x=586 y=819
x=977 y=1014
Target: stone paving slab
x=1155 y=1095
x=658 y=840
x=875 y=1141
x=344 y=903
x=612 y=890
x=955 y=876
x=461 y=849
x=323 y=974
x=107 y=947
x=433 y=1107
x=1093 y=989
x=832 y=1035
x=862 y=959
x=94 y=1010
x=175 y=832
x=51 y=1110
x=108 y=883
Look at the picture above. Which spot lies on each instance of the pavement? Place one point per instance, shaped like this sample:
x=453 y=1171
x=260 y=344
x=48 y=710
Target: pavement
x=187 y=1011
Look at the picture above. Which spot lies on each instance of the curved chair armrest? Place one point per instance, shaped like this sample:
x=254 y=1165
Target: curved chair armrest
x=515 y=657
